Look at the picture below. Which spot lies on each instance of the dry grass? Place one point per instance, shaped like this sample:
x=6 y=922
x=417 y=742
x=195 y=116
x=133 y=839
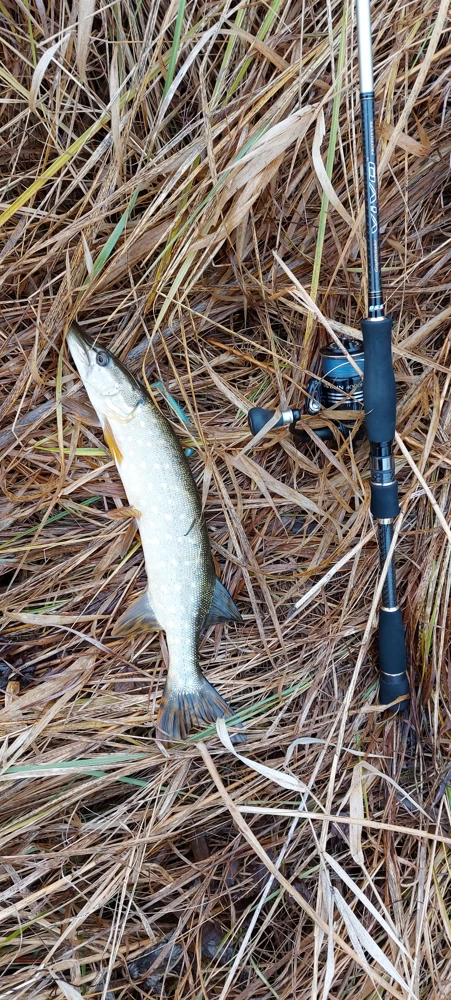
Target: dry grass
x=155 y=158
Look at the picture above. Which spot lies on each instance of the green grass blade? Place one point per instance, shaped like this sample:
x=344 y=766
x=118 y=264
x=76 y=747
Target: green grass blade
x=261 y=35
x=227 y=57
x=175 y=47
x=110 y=244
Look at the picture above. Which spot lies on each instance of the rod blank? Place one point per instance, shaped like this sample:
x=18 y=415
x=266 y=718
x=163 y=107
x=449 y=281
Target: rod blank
x=365 y=47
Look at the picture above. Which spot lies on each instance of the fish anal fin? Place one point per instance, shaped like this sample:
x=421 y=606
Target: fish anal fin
x=181 y=711
x=223 y=607
x=139 y=617
x=111 y=442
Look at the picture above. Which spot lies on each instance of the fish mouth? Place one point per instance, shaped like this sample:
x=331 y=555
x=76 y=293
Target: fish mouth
x=79 y=341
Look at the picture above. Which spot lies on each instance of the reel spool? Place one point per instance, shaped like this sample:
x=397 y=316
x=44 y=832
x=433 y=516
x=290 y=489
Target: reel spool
x=340 y=386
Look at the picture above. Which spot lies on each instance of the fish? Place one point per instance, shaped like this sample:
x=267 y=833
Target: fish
x=183 y=594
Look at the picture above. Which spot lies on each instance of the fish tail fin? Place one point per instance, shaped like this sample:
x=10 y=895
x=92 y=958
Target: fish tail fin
x=181 y=712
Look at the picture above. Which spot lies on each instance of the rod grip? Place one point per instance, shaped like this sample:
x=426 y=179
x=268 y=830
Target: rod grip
x=379 y=390
x=392 y=659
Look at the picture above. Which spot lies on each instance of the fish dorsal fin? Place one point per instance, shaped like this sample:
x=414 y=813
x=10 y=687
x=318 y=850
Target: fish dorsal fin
x=139 y=617
x=223 y=608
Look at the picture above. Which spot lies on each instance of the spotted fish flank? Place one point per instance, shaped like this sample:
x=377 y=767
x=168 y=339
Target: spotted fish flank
x=183 y=594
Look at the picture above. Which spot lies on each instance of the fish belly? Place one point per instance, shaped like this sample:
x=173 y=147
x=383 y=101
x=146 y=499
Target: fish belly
x=179 y=566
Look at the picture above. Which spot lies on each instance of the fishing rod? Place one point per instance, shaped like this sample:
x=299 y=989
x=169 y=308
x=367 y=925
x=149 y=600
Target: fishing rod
x=340 y=385
x=379 y=390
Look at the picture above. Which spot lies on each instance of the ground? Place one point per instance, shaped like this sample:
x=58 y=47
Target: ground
x=165 y=181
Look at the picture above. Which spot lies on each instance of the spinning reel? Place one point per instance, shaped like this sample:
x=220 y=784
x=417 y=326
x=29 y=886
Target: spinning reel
x=340 y=387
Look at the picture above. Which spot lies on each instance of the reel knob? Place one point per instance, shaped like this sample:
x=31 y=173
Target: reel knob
x=257 y=418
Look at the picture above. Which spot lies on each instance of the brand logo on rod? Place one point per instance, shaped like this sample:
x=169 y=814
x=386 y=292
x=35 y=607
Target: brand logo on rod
x=372 y=186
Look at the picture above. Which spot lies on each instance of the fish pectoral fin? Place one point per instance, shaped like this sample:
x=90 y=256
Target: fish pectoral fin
x=223 y=607
x=111 y=442
x=182 y=711
x=139 y=617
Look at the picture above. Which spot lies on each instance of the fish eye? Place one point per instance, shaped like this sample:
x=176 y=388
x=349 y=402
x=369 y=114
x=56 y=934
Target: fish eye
x=102 y=358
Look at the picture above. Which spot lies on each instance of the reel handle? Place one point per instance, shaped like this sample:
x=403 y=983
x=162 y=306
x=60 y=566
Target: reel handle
x=340 y=384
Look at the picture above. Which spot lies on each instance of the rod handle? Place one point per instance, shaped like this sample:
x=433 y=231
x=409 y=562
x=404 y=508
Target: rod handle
x=379 y=389
x=392 y=659
x=257 y=418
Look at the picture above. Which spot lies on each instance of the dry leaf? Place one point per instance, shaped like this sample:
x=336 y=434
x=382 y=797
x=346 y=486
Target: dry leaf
x=262 y=477
x=86 y=10
x=356 y=812
x=406 y=142
x=40 y=71
x=40 y=694
x=321 y=174
x=281 y=778
x=115 y=108
x=250 y=169
x=363 y=941
x=352 y=885
x=67 y=990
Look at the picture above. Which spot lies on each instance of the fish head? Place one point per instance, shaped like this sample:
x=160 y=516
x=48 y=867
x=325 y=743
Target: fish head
x=113 y=391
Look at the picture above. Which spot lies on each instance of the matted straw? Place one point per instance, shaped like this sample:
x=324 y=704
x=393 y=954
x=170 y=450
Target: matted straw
x=156 y=159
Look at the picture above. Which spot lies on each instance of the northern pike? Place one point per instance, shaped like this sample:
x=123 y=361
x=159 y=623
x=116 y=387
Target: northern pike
x=183 y=594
